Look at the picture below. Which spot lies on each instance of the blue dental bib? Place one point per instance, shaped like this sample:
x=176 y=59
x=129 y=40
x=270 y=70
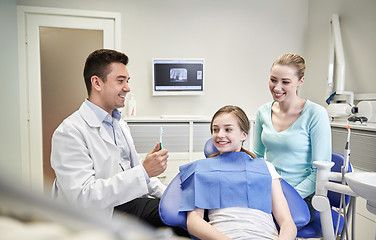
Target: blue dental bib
x=228 y=180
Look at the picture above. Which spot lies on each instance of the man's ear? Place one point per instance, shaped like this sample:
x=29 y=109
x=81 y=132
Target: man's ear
x=96 y=83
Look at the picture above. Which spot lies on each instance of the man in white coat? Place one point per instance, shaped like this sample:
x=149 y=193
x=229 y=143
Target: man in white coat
x=93 y=154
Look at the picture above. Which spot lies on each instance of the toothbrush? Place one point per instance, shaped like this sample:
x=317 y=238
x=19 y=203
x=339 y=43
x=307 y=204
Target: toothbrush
x=161 y=132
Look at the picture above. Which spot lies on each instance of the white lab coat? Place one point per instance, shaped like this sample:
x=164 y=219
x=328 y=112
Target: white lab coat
x=86 y=163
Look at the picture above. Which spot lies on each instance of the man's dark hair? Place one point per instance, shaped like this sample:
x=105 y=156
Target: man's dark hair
x=97 y=64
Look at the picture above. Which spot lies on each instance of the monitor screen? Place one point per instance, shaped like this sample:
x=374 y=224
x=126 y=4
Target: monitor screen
x=178 y=77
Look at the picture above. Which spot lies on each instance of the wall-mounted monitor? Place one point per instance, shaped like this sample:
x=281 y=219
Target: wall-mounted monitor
x=178 y=76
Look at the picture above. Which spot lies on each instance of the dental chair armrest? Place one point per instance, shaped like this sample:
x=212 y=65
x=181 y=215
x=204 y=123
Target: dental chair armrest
x=170 y=203
x=298 y=207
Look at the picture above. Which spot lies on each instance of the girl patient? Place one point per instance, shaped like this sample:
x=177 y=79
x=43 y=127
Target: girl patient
x=239 y=191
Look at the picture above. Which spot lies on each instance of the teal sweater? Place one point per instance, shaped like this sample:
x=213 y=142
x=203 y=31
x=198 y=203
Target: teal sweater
x=293 y=150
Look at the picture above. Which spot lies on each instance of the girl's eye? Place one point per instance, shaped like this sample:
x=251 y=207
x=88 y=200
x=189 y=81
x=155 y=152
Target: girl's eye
x=215 y=130
x=285 y=82
x=272 y=80
x=228 y=129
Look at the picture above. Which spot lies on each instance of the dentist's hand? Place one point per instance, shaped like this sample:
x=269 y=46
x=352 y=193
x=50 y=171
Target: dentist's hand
x=155 y=162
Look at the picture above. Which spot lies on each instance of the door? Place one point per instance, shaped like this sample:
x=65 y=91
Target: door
x=62 y=57
x=35 y=91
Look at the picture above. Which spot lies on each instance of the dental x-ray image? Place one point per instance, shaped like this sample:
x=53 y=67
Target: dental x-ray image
x=178 y=75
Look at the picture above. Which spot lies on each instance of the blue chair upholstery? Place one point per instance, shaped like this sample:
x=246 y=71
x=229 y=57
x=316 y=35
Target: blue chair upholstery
x=313 y=229
x=298 y=207
x=170 y=201
x=209 y=148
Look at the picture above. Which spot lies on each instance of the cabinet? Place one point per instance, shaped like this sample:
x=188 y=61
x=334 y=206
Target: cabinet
x=363 y=158
x=362 y=144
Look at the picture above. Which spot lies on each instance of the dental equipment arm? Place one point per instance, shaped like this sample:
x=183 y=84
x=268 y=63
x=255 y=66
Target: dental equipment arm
x=345 y=166
x=321 y=202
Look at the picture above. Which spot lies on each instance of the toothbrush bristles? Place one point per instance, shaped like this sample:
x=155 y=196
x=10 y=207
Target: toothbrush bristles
x=161 y=134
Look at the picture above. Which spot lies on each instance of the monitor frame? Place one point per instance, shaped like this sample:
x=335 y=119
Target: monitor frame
x=170 y=92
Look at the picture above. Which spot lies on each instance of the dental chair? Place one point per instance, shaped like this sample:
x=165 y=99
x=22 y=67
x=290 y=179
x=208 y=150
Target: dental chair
x=170 y=201
x=313 y=229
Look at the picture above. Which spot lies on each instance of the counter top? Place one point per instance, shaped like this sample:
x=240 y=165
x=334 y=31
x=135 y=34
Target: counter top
x=358 y=126
x=173 y=118
x=168 y=118
x=197 y=118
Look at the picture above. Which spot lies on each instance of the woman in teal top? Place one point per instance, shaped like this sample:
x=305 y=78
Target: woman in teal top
x=292 y=132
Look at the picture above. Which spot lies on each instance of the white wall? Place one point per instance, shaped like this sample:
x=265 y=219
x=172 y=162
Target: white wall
x=357 y=20
x=10 y=156
x=238 y=39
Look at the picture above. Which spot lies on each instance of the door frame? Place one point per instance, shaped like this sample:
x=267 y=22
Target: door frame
x=30 y=115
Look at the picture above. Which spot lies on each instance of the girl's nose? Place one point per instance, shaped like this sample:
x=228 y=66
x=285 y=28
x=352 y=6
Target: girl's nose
x=220 y=133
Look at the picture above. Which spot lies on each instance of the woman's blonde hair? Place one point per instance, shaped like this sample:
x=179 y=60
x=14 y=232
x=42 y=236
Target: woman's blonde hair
x=242 y=119
x=292 y=59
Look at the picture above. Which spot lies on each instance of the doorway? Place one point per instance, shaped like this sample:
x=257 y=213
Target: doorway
x=62 y=86
x=54 y=44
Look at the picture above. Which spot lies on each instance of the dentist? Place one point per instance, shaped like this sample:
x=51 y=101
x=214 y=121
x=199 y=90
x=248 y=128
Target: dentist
x=93 y=154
